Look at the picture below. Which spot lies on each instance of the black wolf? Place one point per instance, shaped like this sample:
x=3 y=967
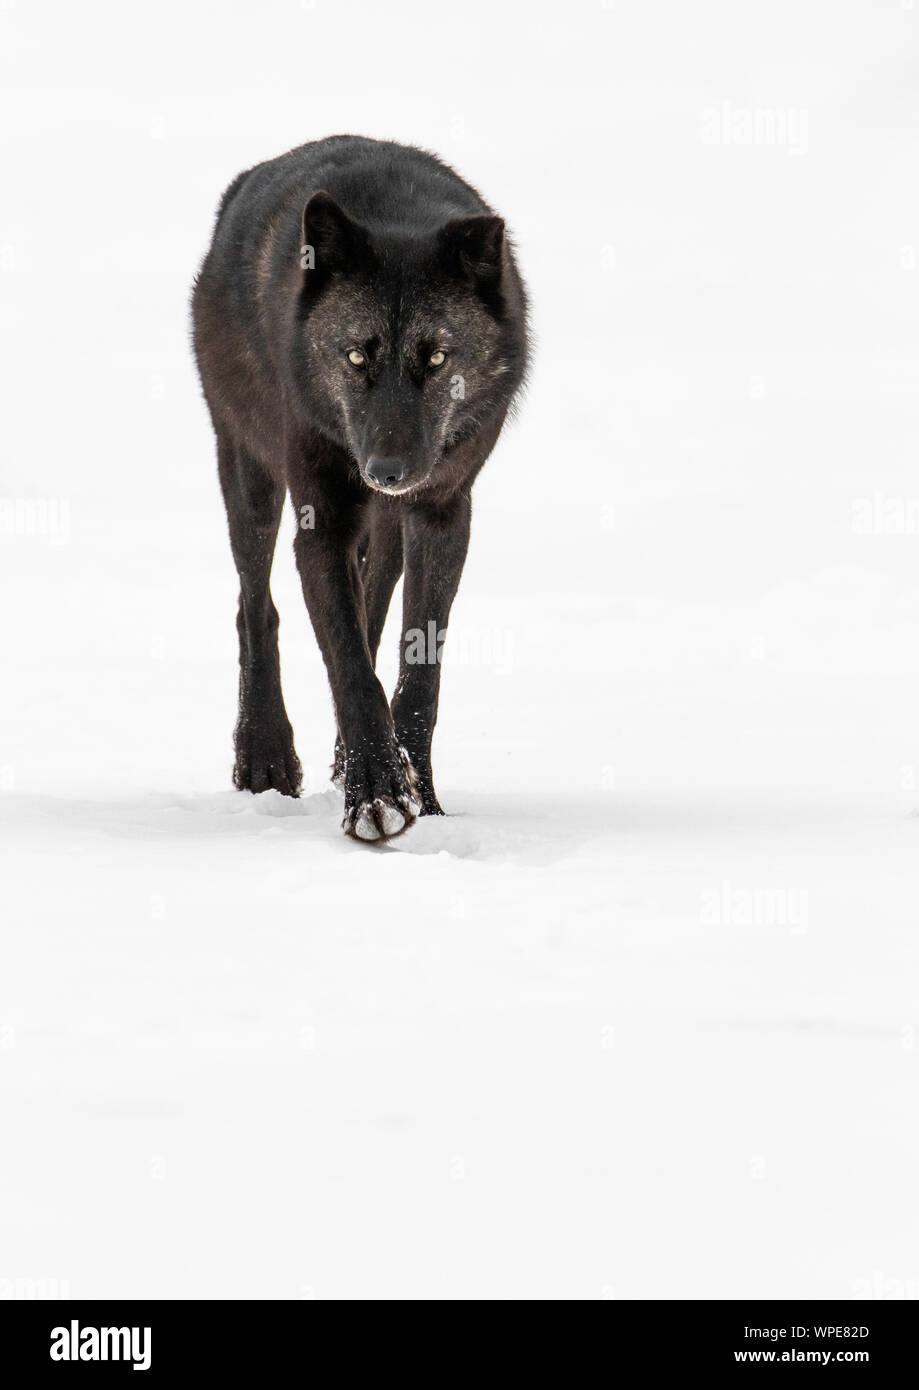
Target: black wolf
x=360 y=330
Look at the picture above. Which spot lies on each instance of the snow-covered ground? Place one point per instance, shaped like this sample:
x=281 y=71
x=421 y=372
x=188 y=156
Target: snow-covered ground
x=639 y=1019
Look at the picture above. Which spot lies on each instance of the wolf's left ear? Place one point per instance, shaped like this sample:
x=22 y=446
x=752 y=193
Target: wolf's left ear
x=330 y=240
x=476 y=245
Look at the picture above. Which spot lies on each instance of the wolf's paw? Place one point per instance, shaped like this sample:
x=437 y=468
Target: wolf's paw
x=381 y=799
x=338 y=763
x=425 y=794
x=266 y=758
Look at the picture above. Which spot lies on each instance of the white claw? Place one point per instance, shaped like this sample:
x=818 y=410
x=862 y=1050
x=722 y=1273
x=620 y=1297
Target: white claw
x=364 y=826
x=392 y=819
x=365 y=822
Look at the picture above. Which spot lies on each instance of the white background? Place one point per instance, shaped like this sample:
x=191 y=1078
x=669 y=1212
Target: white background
x=640 y=1018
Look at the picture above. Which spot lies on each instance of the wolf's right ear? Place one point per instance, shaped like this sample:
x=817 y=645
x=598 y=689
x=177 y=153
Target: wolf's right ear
x=330 y=240
x=476 y=246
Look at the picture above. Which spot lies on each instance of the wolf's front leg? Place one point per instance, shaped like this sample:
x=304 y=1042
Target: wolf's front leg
x=435 y=541
x=263 y=738
x=380 y=566
x=379 y=782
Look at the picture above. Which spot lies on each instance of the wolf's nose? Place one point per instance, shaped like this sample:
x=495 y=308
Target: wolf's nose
x=385 y=472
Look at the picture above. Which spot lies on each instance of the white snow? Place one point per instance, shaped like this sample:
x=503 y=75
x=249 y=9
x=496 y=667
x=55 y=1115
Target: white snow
x=639 y=1018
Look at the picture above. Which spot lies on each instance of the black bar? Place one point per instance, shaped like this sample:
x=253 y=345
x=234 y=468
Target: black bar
x=232 y=1340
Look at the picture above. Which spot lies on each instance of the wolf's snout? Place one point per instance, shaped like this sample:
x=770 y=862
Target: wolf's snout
x=385 y=472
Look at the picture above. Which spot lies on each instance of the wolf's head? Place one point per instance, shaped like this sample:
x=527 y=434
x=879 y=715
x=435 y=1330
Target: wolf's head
x=403 y=341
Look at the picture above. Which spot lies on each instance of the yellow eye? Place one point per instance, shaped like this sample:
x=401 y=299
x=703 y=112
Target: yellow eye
x=356 y=358
x=437 y=359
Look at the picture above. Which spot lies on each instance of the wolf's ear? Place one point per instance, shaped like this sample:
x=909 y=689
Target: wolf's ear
x=330 y=240
x=476 y=246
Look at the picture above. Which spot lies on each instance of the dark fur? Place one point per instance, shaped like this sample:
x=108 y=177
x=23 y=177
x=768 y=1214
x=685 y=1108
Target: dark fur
x=408 y=259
